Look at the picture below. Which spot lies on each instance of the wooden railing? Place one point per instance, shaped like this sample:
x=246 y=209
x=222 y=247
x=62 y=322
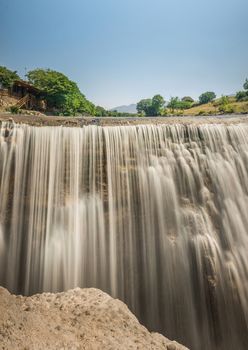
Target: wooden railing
x=22 y=101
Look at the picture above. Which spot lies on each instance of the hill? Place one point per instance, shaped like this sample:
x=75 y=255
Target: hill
x=213 y=108
x=126 y=109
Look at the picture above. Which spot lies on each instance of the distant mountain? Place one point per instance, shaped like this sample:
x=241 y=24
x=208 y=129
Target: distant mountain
x=126 y=109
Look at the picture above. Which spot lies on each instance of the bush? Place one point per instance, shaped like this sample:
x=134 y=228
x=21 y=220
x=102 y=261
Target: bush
x=165 y=112
x=14 y=109
x=226 y=109
x=241 y=95
x=221 y=101
x=201 y=113
x=212 y=112
x=180 y=112
x=207 y=97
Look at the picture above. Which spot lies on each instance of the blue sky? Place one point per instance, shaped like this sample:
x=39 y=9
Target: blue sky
x=119 y=51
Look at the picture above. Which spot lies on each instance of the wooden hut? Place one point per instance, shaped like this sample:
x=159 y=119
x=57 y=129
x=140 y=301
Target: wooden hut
x=28 y=96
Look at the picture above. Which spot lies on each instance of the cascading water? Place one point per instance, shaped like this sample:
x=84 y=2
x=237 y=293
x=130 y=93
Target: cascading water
x=154 y=215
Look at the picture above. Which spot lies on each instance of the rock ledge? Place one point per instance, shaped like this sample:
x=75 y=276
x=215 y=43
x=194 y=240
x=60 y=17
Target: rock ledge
x=85 y=319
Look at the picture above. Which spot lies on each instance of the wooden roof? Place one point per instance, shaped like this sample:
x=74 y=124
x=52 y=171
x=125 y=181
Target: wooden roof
x=25 y=84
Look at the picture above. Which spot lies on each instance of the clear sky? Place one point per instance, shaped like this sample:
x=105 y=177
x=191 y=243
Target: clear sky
x=119 y=51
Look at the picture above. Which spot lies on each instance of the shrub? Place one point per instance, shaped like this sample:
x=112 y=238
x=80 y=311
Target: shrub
x=201 y=113
x=226 y=109
x=14 y=109
x=241 y=95
x=207 y=97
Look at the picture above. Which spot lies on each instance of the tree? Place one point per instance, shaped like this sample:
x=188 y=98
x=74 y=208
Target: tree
x=151 y=107
x=100 y=112
x=188 y=99
x=245 y=86
x=7 y=77
x=157 y=105
x=143 y=106
x=224 y=106
x=207 y=97
x=241 y=95
x=62 y=94
x=173 y=103
x=182 y=104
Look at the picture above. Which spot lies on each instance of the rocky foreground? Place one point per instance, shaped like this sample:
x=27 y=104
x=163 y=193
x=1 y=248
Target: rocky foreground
x=78 y=319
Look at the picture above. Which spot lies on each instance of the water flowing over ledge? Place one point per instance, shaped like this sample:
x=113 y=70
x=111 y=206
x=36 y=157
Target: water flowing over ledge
x=155 y=215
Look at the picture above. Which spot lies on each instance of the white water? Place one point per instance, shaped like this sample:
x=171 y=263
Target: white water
x=154 y=215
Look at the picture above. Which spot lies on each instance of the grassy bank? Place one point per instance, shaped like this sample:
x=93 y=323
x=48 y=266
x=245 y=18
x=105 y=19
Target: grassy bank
x=215 y=108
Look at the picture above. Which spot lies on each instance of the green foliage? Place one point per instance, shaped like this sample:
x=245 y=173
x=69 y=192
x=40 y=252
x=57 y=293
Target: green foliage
x=63 y=95
x=226 y=108
x=14 y=109
x=173 y=103
x=165 y=112
x=224 y=100
x=207 y=97
x=143 y=106
x=100 y=112
x=7 y=77
x=224 y=105
x=180 y=105
x=184 y=105
x=241 y=96
x=157 y=105
x=151 y=107
x=245 y=86
x=188 y=99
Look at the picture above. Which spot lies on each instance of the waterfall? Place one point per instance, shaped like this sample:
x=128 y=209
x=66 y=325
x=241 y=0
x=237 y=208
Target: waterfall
x=156 y=215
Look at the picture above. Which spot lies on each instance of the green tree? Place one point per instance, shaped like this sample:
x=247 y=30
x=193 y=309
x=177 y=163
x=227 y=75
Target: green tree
x=207 y=97
x=173 y=103
x=157 y=105
x=245 y=86
x=7 y=77
x=100 y=112
x=144 y=106
x=224 y=106
x=176 y=104
x=151 y=107
x=62 y=94
x=241 y=95
x=188 y=99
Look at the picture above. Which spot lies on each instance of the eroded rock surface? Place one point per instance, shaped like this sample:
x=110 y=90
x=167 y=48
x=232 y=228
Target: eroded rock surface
x=78 y=319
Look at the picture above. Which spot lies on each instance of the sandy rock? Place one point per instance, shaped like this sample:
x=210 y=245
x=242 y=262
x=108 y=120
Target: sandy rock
x=78 y=319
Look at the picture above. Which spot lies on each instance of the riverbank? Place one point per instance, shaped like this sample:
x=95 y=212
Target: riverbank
x=78 y=319
x=42 y=120
x=215 y=108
